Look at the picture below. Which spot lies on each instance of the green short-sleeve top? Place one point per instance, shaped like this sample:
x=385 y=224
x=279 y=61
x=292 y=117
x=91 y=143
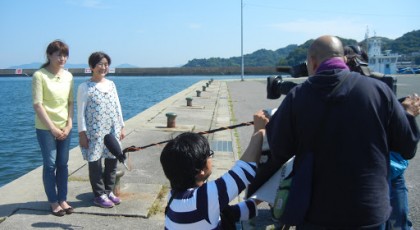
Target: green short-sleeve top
x=54 y=92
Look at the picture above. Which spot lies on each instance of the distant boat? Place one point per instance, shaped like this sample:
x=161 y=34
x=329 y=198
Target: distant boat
x=408 y=70
x=383 y=62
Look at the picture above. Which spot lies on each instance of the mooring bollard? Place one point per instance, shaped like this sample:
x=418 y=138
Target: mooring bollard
x=204 y=88
x=171 y=120
x=207 y=84
x=117 y=187
x=198 y=93
x=189 y=101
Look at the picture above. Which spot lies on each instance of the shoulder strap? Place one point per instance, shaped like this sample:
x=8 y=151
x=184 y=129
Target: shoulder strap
x=365 y=70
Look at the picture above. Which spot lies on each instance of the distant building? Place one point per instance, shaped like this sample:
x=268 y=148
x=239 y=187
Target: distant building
x=385 y=62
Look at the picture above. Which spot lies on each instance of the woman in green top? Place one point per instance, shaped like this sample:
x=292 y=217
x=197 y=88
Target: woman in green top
x=52 y=92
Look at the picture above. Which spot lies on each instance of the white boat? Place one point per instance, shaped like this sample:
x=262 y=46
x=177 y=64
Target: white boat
x=382 y=62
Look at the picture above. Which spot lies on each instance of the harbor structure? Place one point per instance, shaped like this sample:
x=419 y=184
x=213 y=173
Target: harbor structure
x=382 y=62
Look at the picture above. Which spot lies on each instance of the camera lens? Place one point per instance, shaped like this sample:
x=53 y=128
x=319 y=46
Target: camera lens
x=272 y=87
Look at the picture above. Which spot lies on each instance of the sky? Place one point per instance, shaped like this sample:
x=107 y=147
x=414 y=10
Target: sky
x=169 y=33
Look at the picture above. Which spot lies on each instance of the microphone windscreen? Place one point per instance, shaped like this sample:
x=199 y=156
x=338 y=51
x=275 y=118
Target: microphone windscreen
x=113 y=146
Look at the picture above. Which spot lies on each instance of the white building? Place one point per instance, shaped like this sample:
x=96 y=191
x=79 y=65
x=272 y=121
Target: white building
x=385 y=62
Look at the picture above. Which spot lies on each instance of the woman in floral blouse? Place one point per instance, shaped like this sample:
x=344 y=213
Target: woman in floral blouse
x=99 y=113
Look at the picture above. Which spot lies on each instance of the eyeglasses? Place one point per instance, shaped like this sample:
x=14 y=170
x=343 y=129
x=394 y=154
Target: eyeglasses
x=210 y=154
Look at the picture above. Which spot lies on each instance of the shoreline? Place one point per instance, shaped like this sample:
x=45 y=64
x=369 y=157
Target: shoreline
x=167 y=71
x=170 y=72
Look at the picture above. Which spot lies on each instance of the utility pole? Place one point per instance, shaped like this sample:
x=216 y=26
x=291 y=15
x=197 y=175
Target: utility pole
x=242 y=41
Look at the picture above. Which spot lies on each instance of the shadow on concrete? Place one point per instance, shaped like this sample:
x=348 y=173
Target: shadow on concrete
x=41 y=206
x=84 y=200
x=55 y=225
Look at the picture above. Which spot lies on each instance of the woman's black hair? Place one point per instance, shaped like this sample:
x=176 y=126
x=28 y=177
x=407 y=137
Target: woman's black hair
x=56 y=45
x=183 y=157
x=96 y=57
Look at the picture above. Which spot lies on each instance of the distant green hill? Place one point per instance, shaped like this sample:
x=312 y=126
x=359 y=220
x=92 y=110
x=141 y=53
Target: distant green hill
x=260 y=57
x=407 y=45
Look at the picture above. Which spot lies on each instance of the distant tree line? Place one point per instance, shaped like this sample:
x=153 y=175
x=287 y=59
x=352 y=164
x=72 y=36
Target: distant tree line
x=258 y=58
x=408 y=46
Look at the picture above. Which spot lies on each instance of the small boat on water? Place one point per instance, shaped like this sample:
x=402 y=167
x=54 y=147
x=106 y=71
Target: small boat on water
x=408 y=70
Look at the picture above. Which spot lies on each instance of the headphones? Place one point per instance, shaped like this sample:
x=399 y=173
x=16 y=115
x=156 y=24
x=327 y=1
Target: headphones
x=355 y=49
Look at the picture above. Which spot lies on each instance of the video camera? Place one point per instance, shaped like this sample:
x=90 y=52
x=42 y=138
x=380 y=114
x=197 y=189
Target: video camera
x=276 y=86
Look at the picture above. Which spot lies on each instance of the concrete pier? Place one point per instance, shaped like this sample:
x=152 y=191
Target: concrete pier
x=23 y=203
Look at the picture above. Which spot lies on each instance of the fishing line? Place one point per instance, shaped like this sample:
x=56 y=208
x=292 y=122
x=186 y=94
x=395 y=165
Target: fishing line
x=134 y=148
x=113 y=145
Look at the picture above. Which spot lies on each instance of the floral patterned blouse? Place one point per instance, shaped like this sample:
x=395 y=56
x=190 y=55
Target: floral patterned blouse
x=99 y=113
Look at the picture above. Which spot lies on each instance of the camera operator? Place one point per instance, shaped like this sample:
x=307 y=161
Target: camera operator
x=357 y=61
x=363 y=122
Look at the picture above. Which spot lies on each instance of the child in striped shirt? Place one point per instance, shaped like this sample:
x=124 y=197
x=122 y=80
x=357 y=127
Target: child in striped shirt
x=195 y=203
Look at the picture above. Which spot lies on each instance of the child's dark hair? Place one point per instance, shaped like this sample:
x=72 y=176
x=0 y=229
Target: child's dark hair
x=56 y=45
x=183 y=157
x=96 y=57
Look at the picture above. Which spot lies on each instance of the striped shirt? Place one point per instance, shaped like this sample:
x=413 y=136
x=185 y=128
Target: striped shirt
x=199 y=208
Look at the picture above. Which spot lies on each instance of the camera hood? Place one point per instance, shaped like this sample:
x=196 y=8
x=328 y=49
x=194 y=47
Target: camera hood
x=295 y=71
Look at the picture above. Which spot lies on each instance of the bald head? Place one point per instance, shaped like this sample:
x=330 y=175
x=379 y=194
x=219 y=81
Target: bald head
x=326 y=47
x=323 y=48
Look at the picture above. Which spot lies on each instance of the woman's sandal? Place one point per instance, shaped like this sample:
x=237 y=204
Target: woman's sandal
x=55 y=206
x=59 y=213
x=69 y=210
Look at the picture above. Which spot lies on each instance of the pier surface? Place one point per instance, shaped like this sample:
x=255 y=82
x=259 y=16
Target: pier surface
x=144 y=187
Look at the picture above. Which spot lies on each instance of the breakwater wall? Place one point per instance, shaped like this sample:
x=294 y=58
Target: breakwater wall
x=169 y=71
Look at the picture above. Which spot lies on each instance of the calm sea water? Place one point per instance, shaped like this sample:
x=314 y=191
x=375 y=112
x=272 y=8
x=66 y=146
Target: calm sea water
x=19 y=149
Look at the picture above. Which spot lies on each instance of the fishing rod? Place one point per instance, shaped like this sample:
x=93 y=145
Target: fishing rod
x=113 y=146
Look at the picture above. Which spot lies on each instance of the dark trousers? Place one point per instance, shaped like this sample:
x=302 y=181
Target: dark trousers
x=102 y=183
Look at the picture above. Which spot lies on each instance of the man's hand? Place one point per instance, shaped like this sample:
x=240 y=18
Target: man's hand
x=411 y=104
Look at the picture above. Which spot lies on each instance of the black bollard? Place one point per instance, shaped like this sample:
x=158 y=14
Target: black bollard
x=171 y=120
x=117 y=187
x=189 y=101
